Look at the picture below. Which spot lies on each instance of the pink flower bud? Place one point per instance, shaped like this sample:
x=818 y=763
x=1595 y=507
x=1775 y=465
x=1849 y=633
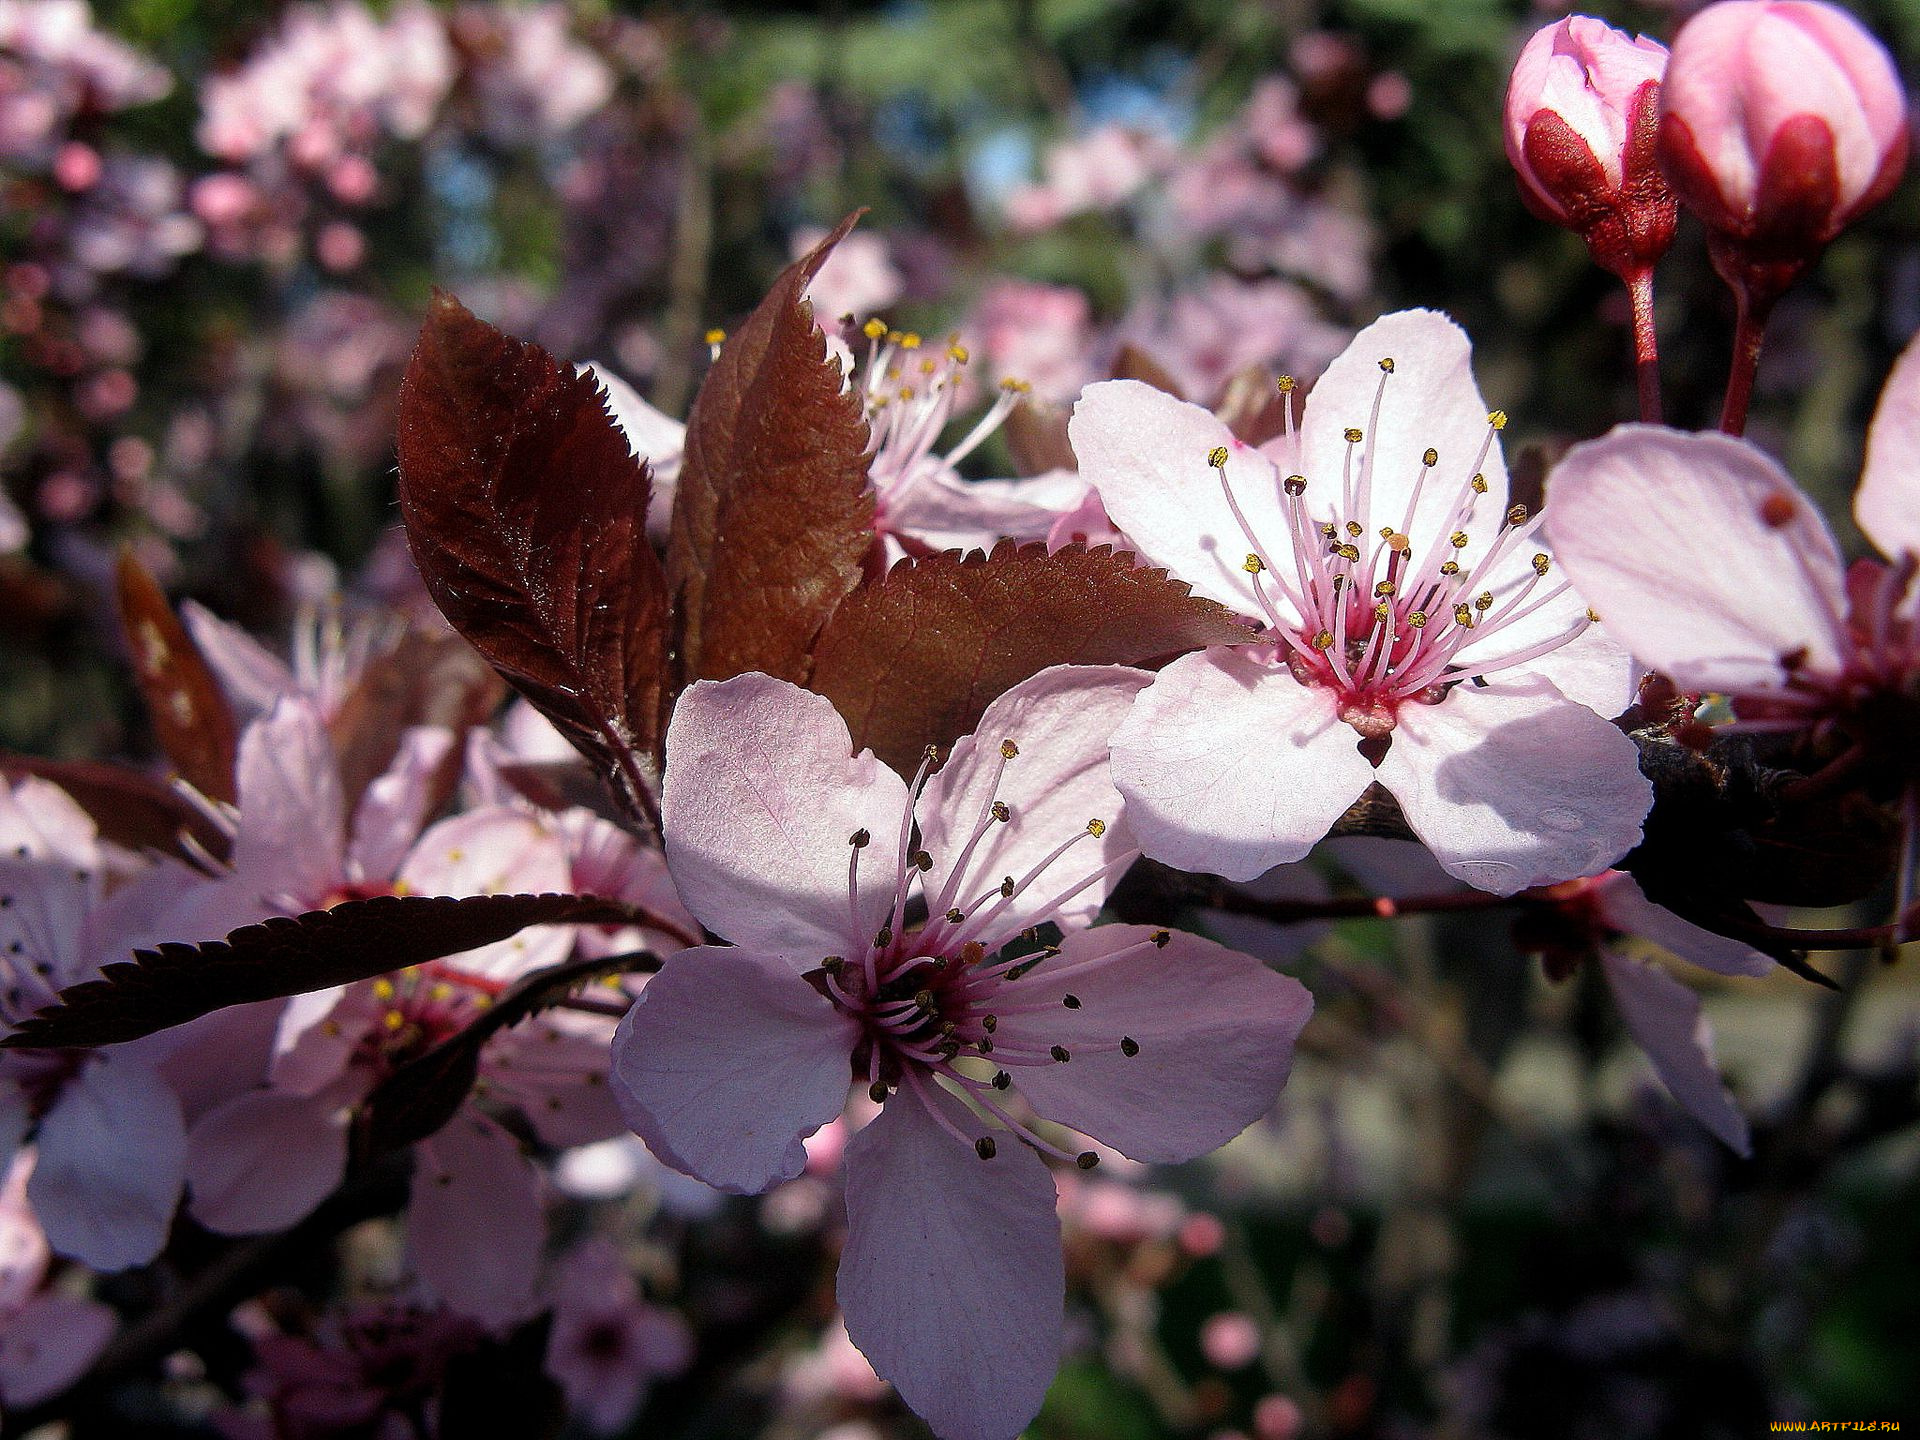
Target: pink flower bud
x=1782 y=122
x=1580 y=122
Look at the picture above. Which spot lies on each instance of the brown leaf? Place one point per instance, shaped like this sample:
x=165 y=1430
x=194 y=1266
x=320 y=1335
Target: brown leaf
x=1253 y=405
x=1130 y=362
x=527 y=516
x=773 y=517
x=914 y=658
x=291 y=955
x=424 y=679
x=130 y=809
x=1036 y=432
x=190 y=715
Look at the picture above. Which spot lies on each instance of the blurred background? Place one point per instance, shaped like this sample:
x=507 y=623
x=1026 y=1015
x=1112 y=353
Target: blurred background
x=1475 y=1213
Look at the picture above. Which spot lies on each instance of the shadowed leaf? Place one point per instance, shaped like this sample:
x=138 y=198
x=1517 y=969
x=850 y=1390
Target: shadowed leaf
x=914 y=658
x=1130 y=362
x=291 y=955
x=422 y=1095
x=1036 y=432
x=190 y=715
x=527 y=513
x=424 y=679
x=1253 y=405
x=772 y=517
x=130 y=809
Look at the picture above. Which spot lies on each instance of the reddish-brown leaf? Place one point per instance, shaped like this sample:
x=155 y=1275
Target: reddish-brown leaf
x=131 y=809
x=773 y=516
x=291 y=955
x=1130 y=362
x=914 y=658
x=527 y=517
x=1253 y=404
x=190 y=715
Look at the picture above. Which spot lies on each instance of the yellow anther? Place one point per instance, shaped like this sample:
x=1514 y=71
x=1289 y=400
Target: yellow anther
x=1253 y=564
x=1008 y=749
x=1458 y=539
x=383 y=989
x=1001 y=812
x=1217 y=457
x=1355 y=529
x=1285 y=383
x=1385 y=587
x=716 y=337
x=1418 y=619
x=1347 y=552
x=1517 y=515
x=1478 y=484
x=1541 y=564
x=1593 y=615
x=1430 y=458
x=1160 y=938
x=910 y=341
x=393 y=1020
x=958 y=354
x=441 y=992
x=1497 y=419
x=1353 y=436
x=1015 y=387
x=874 y=329
x=906 y=392
x=1483 y=602
x=1328 y=530
x=1382 y=610
x=1386 y=364
x=1386 y=532
x=1463 y=615
x=1450 y=567
x=1323 y=641
x=929 y=367
x=1295 y=484
x=1096 y=828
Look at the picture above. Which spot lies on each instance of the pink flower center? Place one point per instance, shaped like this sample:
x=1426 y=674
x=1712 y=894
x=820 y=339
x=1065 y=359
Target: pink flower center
x=418 y=1009
x=1357 y=604
x=932 y=988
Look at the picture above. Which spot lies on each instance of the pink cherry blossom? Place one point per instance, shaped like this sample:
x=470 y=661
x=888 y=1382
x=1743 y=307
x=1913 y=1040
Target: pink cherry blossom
x=859 y=277
x=48 y=1338
x=607 y=1344
x=1712 y=566
x=804 y=854
x=1412 y=632
x=1040 y=335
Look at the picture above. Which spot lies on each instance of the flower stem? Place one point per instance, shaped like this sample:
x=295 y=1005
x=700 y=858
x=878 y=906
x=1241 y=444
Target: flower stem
x=1749 y=332
x=1646 y=348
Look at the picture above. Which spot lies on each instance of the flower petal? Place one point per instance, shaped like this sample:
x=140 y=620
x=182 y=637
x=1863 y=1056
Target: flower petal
x=1515 y=785
x=1429 y=401
x=390 y=815
x=1887 y=505
x=1665 y=1020
x=291 y=838
x=951 y=1281
x=475 y=1227
x=762 y=792
x=1230 y=765
x=1214 y=1031
x=112 y=1157
x=496 y=850
x=1146 y=453
x=49 y=1343
x=726 y=1061
x=1626 y=908
x=252 y=676
x=1061 y=723
x=264 y=1160
x=1700 y=555
x=1592 y=669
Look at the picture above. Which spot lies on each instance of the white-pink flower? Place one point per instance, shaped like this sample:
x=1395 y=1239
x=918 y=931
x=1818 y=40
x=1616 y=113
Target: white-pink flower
x=1413 y=631
x=883 y=932
x=607 y=1344
x=1713 y=567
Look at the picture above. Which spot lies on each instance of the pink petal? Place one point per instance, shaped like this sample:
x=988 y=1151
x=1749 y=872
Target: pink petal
x=726 y=1061
x=1215 y=1031
x=390 y=815
x=949 y=513
x=555 y=1070
x=1061 y=722
x=1626 y=908
x=1514 y=785
x=1146 y=454
x=493 y=851
x=24 y=1253
x=762 y=792
x=1664 y=534
x=1665 y=1020
x=951 y=1281
x=1887 y=505
x=475 y=1227
x=112 y=1157
x=291 y=838
x=1430 y=401
x=41 y=817
x=652 y=435
x=264 y=1160
x=253 y=677
x=1230 y=765
x=50 y=1344
x=1592 y=669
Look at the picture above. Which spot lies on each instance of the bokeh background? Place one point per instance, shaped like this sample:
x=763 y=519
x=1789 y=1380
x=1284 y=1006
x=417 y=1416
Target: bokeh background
x=1475 y=1214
